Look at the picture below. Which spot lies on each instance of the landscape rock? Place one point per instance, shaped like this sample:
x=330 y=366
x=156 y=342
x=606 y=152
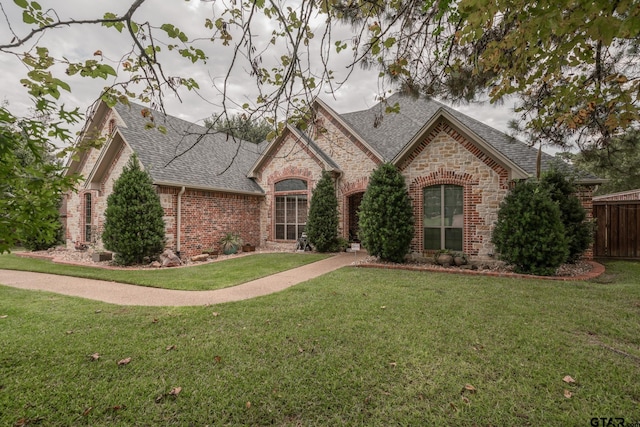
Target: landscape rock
x=155 y=264
x=200 y=258
x=169 y=259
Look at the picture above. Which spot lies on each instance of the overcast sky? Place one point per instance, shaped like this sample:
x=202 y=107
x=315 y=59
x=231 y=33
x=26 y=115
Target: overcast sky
x=81 y=41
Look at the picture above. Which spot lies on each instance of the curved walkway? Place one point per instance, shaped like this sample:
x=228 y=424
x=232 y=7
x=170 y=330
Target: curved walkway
x=124 y=294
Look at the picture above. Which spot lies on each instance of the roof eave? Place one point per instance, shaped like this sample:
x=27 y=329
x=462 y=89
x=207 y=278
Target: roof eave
x=208 y=188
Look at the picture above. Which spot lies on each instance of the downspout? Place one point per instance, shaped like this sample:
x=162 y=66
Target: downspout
x=179 y=221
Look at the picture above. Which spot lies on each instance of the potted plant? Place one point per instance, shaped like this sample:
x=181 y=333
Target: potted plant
x=230 y=243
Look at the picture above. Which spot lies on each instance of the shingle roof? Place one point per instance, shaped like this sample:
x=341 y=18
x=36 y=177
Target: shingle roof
x=391 y=134
x=183 y=156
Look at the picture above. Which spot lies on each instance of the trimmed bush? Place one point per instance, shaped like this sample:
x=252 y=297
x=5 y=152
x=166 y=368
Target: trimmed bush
x=578 y=230
x=529 y=233
x=386 y=215
x=322 y=223
x=133 y=228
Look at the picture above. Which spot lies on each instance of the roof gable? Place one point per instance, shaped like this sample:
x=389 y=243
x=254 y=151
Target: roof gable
x=301 y=138
x=392 y=134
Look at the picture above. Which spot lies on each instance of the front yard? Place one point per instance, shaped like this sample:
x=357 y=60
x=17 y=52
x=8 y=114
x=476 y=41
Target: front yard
x=353 y=347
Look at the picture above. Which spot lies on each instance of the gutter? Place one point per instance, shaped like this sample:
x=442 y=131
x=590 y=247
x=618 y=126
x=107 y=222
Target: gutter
x=179 y=220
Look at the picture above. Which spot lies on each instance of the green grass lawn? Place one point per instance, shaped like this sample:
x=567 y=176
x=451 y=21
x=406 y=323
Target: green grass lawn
x=354 y=347
x=215 y=275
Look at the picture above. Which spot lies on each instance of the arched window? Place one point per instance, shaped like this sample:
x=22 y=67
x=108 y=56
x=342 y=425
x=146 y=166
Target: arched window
x=112 y=126
x=291 y=209
x=443 y=218
x=87 y=217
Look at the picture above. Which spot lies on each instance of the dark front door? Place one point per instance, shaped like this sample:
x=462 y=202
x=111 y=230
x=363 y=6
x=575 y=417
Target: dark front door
x=354 y=217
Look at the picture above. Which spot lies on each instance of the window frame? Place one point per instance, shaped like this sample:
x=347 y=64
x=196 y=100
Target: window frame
x=88 y=215
x=443 y=227
x=291 y=215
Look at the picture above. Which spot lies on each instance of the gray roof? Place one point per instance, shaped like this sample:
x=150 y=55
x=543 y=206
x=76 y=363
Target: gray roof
x=185 y=154
x=390 y=133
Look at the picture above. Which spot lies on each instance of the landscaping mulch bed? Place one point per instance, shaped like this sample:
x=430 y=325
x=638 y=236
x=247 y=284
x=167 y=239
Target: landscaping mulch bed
x=581 y=270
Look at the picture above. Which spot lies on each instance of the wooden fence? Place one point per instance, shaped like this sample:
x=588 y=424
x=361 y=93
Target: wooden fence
x=617 y=229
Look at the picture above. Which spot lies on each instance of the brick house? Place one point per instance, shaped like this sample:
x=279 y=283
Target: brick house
x=457 y=170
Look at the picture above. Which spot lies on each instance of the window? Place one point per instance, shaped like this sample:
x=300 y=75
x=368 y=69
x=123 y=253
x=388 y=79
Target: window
x=443 y=218
x=87 y=217
x=291 y=209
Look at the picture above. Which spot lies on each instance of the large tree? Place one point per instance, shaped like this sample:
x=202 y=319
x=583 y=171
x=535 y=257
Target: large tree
x=571 y=64
x=31 y=184
x=618 y=163
x=240 y=126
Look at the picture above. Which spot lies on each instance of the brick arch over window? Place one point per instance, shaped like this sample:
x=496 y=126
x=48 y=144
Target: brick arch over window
x=472 y=196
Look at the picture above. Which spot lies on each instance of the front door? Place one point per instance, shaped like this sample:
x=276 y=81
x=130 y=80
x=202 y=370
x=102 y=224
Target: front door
x=354 y=216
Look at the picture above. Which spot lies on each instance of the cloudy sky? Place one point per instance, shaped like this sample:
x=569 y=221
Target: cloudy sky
x=81 y=41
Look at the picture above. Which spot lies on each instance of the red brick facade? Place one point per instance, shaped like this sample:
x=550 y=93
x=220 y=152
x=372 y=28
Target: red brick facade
x=207 y=216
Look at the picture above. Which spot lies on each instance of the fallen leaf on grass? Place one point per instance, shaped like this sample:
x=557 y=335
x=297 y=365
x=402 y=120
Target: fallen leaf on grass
x=218 y=359
x=567 y=394
x=567 y=379
x=454 y=407
x=94 y=357
x=469 y=388
x=175 y=391
x=215 y=314
x=86 y=411
x=383 y=307
x=393 y=364
x=124 y=361
x=69 y=332
x=155 y=321
x=248 y=405
x=466 y=400
x=171 y=347
x=118 y=407
x=4 y=316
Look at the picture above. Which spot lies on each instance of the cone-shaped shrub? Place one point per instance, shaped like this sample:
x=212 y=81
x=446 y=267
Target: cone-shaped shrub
x=322 y=224
x=133 y=226
x=386 y=215
x=578 y=230
x=529 y=233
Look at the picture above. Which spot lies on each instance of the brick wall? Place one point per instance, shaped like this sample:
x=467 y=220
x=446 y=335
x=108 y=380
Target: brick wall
x=207 y=216
x=446 y=157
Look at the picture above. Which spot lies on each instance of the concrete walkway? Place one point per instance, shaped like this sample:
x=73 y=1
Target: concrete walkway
x=123 y=294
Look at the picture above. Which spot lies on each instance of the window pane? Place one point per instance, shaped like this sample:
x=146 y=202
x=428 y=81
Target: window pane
x=291 y=185
x=291 y=232
x=279 y=210
x=291 y=210
x=453 y=205
x=453 y=239
x=431 y=196
x=432 y=238
x=302 y=210
x=280 y=231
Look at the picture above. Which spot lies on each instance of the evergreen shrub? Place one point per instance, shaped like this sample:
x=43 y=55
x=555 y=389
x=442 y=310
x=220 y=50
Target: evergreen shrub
x=578 y=230
x=133 y=228
x=322 y=223
x=386 y=215
x=529 y=233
